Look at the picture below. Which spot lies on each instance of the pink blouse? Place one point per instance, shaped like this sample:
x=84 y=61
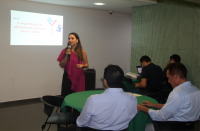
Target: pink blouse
x=76 y=75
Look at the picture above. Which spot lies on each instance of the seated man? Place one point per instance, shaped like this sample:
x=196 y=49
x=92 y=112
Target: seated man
x=167 y=88
x=111 y=110
x=151 y=77
x=174 y=58
x=182 y=103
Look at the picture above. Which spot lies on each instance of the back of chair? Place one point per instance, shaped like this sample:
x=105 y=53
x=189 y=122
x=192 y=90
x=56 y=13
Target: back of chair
x=50 y=102
x=165 y=91
x=53 y=100
x=97 y=89
x=48 y=108
x=150 y=91
x=91 y=129
x=173 y=126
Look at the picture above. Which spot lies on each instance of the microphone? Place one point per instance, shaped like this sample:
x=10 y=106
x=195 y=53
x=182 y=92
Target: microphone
x=68 y=55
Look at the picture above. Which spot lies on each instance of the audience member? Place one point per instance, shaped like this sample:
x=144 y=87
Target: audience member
x=182 y=103
x=151 y=78
x=167 y=88
x=174 y=58
x=111 y=110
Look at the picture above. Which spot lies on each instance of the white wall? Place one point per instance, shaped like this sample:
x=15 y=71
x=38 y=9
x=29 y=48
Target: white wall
x=32 y=71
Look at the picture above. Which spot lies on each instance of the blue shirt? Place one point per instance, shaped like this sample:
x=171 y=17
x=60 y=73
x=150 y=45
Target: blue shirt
x=183 y=104
x=111 y=110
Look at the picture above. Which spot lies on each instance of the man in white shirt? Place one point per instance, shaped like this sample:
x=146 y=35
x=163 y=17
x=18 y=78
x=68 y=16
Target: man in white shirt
x=111 y=110
x=182 y=103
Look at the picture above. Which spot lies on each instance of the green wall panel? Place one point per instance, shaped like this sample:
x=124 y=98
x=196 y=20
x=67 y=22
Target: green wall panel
x=196 y=12
x=172 y=12
x=186 y=57
x=162 y=30
x=159 y=15
x=195 y=74
x=197 y=25
x=196 y=58
x=185 y=41
x=157 y=41
x=186 y=25
x=196 y=41
x=172 y=27
x=185 y=12
x=170 y=42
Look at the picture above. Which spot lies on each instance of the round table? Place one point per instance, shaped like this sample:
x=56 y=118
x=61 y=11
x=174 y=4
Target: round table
x=77 y=101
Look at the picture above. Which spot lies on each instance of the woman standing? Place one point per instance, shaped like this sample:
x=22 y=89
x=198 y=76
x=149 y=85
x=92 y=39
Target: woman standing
x=73 y=77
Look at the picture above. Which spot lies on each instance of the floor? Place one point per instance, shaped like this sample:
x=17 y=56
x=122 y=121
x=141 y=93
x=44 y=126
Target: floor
x=29 y=118
x=24 y=118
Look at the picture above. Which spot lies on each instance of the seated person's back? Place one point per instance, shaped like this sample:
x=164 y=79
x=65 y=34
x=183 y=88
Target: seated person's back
x=151 y=78
x=153 y=74
x=111 y=110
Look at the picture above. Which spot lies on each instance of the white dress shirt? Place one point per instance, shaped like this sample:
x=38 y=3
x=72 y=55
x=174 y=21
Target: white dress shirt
x=111 y=110
x=183 y=104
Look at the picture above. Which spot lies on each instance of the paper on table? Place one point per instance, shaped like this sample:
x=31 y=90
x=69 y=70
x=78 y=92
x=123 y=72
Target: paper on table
x=136 y=95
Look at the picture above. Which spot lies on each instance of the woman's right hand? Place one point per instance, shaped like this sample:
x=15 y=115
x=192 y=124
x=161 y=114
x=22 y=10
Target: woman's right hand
x=68 y=51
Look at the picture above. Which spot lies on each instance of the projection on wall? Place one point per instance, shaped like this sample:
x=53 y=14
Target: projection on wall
x=36 y=29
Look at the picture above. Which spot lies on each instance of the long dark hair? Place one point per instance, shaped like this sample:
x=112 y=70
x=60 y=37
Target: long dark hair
x=78 y=49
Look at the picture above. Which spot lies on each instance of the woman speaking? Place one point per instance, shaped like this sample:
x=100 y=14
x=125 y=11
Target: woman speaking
x=73 y=61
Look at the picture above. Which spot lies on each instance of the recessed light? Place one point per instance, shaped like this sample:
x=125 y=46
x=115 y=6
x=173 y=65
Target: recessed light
x=99 y=3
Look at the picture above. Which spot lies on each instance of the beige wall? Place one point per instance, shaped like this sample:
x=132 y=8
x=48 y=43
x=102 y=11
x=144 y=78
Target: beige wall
x=32 y=71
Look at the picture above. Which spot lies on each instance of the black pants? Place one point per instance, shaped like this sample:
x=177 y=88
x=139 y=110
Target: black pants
x=66 y=87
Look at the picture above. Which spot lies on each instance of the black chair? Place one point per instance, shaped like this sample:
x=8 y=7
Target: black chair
x=151 y=92
x=173 y=126
x=76 y=128
x=91 y=129
x=165 y=91
x=71 y=128
x=56 y=118
x=98 y=89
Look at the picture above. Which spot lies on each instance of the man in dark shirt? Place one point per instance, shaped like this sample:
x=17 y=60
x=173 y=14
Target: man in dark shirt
x=174 y=58
x=167 y=88
x=151 y=77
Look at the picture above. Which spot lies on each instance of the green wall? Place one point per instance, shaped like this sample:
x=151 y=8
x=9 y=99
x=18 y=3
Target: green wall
x=165 y=29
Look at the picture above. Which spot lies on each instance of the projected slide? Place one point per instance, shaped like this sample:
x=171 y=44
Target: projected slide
x=35 y=29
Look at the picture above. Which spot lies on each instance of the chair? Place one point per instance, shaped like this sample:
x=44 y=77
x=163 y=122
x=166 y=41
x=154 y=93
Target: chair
x=173 y=126
x=71 y=128
x=56 y=118
x=76 y=128
x=97 y=89
x=165 y=91
x=151 y=92
x=91 y=129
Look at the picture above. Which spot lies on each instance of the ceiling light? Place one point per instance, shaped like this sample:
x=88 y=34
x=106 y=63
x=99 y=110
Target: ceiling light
x=99 y=3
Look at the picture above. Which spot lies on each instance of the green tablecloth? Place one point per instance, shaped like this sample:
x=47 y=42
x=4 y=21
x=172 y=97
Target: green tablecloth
x=128 y=85
x=77 y=101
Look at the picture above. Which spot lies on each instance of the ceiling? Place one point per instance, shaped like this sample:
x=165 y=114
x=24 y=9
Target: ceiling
x=120 y=6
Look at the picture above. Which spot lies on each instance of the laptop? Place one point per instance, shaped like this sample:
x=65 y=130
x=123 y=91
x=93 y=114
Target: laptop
x=139 y=69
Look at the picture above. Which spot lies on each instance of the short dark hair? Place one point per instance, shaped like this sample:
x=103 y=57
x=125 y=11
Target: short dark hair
x=175 y=57
x=114 y=75
x=177 y=68
x=145 y=58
